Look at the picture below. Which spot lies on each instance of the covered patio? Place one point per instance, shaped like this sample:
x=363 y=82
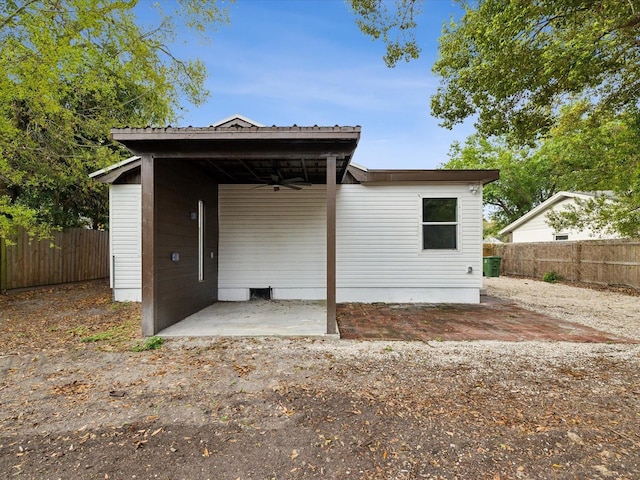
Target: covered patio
x=181 y=173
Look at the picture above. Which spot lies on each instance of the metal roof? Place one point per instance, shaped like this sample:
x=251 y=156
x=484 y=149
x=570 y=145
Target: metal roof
x=241 y=151
x=249 y=154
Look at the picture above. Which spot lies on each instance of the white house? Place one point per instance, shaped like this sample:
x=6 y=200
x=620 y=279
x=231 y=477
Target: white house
x=533 y=226
x=238 y=209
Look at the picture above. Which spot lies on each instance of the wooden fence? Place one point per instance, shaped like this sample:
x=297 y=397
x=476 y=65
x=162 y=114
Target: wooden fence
x=73 y=255
x=605 y=262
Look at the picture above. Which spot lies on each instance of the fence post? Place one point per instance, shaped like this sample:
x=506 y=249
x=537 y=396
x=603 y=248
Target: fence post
x=3 y=265
x=578 y=261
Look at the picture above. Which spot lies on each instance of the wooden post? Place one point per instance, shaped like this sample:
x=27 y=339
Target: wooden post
x=148 y=246
x=3 y=265
x=332 y=326
x=577 y=260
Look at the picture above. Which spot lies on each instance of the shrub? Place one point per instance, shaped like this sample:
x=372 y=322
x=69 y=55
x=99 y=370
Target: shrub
x=551 y=277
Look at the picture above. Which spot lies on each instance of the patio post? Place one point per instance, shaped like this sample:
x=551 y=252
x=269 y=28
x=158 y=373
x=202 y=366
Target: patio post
x=332 y=327
x=148 y=246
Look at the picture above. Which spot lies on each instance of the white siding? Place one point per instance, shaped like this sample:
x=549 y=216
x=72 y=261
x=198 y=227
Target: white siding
x=125 y=242
x=379 y=246
x=272 y=239
x=278 y=240
x=537 y=229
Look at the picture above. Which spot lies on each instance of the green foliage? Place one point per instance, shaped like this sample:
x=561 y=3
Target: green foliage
x=393 y=23
x=152 y=343
x=69 y=71
x=551 y=277
x=525 y=178
x=511 y=64
x=490 y=229
x=554 y=88
x=600 y=156
x=578 y=154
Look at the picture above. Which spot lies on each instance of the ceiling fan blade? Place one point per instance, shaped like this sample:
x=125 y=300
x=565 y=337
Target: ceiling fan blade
x=291 y=186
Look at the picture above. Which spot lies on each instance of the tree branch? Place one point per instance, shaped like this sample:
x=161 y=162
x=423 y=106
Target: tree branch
x=8 y=19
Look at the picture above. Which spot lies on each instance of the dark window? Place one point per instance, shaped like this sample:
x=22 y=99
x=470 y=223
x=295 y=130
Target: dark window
x=439 y=223
x=562 y=236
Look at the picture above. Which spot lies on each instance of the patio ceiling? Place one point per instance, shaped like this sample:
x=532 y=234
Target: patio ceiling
x=250 y=155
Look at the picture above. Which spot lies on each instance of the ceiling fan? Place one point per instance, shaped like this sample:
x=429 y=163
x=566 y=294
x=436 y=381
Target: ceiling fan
x=276 y=181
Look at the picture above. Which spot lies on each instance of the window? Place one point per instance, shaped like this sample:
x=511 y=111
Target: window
x=561 y=236
x=439 y=223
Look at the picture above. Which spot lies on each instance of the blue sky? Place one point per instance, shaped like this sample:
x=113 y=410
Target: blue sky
x=305 y=62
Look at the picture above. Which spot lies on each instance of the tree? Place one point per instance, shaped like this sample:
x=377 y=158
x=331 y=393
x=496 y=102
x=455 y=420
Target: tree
x=512 y=64
x=69 y=71
x=559 y=75
x=526 y=179
x=576 y=155
x=601 y=157
x=393 y=23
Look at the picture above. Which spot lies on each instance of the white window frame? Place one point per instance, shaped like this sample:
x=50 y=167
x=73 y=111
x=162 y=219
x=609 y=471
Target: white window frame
x=456 y=223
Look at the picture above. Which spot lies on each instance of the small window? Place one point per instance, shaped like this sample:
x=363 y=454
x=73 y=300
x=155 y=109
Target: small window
x=439 y=223
x=561 y=236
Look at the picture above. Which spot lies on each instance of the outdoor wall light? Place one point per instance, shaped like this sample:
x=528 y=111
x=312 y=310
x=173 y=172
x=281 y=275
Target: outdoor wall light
x=474 y=188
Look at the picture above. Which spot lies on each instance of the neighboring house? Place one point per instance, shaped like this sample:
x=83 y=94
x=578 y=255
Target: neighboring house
x=237 y=209
x=533 y=227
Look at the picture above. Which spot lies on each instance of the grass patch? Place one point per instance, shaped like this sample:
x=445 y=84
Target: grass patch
x=151 y=343
x=98 y=337
x=80 y=331
x=109 y=336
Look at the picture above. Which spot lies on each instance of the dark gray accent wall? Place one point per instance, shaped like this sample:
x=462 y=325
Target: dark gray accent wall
x=178 y=292
x=130 y=177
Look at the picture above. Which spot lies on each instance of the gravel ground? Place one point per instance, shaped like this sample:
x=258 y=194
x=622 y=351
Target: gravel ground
x=609 y=311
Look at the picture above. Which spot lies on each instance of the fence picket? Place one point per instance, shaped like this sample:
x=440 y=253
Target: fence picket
x=78 y=254
x=605 y=262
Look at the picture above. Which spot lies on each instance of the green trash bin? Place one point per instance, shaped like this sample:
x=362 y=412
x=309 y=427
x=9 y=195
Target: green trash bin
x=491 y=266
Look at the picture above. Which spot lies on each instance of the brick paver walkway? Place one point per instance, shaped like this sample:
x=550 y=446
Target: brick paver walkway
x=493 y=319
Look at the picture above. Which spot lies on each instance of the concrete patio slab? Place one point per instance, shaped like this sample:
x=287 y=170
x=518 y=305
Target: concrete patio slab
x=255 y=318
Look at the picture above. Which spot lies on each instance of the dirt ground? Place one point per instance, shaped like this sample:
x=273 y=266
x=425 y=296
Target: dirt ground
x=77 y=402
